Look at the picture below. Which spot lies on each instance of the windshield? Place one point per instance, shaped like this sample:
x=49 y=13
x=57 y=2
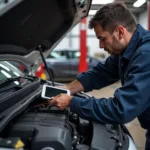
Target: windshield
x=56 y=54
x=7 y=70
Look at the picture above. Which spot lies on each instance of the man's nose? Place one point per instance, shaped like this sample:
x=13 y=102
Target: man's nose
x=101 y=44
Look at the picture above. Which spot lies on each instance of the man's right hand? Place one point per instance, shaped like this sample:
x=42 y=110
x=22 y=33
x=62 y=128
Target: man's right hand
x=62 y=101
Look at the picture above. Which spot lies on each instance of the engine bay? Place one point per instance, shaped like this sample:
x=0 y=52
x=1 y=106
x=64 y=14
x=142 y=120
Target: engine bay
x=45 y=127
x=39 y=130
x=28 y=119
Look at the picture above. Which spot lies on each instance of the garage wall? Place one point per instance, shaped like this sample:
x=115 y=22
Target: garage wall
x=143 y=19
x=72 y=39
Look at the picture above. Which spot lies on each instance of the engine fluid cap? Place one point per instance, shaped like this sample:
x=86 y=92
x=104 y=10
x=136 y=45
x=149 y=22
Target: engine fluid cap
x=47 y=148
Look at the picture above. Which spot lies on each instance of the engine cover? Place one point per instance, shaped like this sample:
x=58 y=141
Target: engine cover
x=43 y=131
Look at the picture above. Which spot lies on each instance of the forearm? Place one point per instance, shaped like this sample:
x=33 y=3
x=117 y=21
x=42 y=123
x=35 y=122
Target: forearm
x=74 y=87
x=101 y=75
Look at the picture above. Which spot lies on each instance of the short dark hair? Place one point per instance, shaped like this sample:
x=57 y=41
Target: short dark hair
x=113 y=14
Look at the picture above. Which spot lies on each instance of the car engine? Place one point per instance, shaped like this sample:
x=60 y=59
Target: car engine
x=41 y=127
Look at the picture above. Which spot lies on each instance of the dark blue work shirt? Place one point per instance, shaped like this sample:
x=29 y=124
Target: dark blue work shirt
x=129 y=101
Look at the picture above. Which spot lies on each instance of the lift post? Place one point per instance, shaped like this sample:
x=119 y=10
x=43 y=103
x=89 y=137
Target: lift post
x=83 y=66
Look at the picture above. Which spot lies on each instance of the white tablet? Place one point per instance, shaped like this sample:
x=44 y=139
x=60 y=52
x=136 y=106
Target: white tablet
x=51 y=91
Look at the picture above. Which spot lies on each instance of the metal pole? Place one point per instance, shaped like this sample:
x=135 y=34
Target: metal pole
x=83 y=47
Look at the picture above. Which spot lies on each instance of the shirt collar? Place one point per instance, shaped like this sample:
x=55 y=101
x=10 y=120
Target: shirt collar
x=133 y=44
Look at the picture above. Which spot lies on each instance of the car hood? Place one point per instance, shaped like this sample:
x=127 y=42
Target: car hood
x=26 y=24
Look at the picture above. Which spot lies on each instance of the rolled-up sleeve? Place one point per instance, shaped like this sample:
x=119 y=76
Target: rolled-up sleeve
x=128 y=102
x=101 y=75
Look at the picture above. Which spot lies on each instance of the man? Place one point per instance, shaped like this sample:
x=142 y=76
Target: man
x=129 y=47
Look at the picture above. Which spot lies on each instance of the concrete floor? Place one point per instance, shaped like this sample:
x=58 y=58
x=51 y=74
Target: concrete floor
x=134 y=127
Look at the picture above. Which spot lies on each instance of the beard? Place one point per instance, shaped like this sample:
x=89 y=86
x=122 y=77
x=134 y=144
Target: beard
x=108 y=51
x=116 y=48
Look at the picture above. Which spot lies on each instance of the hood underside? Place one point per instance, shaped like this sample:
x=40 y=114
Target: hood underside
x=29 y=23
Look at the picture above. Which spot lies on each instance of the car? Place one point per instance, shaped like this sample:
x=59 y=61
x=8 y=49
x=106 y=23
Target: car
x=30 y=30
x=63 y=64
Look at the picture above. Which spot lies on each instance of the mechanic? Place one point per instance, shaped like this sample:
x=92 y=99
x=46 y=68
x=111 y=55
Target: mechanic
x=128 y=44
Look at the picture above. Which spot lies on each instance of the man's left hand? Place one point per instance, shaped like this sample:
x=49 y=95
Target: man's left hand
x=62 y=101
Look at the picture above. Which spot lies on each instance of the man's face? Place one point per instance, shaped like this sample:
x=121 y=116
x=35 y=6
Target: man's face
x=112 y=43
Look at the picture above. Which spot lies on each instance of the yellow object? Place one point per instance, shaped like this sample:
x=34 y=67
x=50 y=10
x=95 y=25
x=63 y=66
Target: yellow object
x=19 y=144
x=43 y=76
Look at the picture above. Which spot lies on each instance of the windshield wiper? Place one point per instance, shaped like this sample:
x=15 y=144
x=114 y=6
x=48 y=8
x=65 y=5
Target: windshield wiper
x=10 y=87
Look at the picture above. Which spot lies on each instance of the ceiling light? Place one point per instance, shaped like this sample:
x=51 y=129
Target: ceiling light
x=139 y=3
x=101 y=1
x=92 y=12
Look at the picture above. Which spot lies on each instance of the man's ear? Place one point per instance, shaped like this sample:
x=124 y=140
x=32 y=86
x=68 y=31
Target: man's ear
x=120 y=31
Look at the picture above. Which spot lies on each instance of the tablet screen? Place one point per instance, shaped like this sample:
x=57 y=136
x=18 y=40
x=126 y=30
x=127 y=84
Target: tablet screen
x=49 y=92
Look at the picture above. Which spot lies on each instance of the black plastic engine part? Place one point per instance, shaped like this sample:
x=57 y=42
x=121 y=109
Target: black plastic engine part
x=102 y=138
x=41 y=130
x=82 y=147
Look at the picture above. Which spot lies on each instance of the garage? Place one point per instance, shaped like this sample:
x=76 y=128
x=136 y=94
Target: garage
x=74 y=74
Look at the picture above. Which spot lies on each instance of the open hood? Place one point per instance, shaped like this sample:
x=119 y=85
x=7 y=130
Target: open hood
x=26 y=24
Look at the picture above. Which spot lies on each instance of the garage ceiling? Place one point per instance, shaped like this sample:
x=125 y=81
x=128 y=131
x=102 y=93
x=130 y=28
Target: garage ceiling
x=135 y=10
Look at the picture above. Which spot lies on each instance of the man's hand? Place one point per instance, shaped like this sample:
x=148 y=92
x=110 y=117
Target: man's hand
x=62 y=101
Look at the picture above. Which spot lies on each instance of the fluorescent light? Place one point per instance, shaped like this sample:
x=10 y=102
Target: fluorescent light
x=139 y=3
x=92 y=12
x=101 y=1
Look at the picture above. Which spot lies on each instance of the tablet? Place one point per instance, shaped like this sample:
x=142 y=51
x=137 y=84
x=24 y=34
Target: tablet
x=51 y=91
